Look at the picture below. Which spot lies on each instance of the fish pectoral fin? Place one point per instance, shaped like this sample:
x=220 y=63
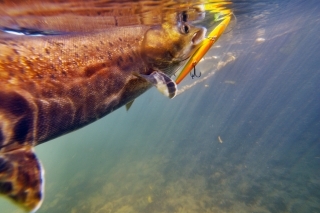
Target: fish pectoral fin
x=21 y=178
x=162 y=82
x=129 y=104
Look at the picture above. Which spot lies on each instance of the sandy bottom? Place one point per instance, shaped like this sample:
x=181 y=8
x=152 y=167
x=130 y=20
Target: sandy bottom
x=184 y=184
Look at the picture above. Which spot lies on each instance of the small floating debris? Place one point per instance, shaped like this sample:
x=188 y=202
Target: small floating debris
x=220 y=140
x=206 y=85
x=229 y=82
x=260 y=40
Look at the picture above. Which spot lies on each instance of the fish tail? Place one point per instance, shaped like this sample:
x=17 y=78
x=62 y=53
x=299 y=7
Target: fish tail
x=21 y=178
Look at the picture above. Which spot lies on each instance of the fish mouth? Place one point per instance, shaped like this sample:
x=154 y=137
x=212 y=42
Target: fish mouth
x=196 y=39
x=199 y=36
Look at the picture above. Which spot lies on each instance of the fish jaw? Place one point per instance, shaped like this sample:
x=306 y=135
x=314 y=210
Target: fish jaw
x=199 y=36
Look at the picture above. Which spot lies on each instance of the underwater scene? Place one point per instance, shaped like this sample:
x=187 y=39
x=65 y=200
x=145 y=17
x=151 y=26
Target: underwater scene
x=242 y=134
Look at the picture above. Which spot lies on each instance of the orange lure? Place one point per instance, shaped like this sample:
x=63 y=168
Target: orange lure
x=204 y=48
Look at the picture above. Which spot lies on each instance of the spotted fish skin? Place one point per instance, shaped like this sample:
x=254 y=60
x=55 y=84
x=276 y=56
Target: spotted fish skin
x=52 y=85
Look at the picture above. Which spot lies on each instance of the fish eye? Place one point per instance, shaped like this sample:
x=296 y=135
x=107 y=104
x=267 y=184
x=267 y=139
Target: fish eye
x=185 y=29
x=184 y=16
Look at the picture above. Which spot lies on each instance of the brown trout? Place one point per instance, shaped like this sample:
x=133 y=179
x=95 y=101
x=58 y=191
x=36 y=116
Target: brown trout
x=54 y=84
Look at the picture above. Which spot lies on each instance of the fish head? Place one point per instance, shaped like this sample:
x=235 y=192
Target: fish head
x=167 y=45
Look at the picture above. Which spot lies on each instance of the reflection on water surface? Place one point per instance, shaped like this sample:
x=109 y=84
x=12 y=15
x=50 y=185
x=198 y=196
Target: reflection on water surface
x=92 y=15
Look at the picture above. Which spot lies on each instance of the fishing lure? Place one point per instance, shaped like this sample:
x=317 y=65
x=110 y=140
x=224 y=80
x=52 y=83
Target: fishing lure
x=204 y=47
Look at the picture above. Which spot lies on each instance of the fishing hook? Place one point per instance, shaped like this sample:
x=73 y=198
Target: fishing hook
x=194 y=74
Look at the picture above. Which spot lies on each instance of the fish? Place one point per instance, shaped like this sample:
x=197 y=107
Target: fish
x=54 y=84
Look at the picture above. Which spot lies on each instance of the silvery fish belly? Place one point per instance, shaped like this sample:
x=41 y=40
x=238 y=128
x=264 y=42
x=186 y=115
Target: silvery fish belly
x=54 y=84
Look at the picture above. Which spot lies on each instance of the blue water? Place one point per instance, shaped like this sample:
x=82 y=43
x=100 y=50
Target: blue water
x=165 y=155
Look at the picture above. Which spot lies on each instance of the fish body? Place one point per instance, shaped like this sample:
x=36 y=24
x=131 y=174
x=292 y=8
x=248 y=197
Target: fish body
x=52 y=85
